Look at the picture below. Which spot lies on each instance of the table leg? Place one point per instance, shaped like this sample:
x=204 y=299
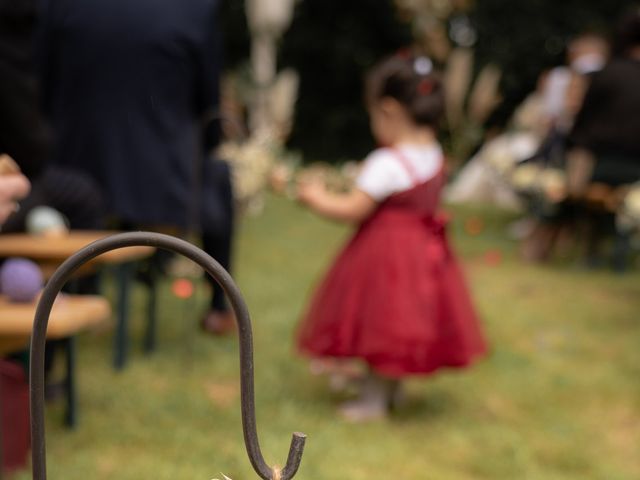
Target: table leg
x=621 y=251
x=124 y=274
x=152 y=312
x=71 y=417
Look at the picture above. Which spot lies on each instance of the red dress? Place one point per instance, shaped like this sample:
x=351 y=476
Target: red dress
x=395 y=296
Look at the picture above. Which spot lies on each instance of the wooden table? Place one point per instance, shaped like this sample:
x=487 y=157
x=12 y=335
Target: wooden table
x=50 y=252
x=55 y=250
x=70 y=315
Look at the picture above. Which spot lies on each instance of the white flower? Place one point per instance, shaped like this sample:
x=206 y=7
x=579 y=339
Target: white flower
x=628 y=216
x=632 y=201
x=501 y=160
x=525 y=177
x=553 y=183
x=251 y=165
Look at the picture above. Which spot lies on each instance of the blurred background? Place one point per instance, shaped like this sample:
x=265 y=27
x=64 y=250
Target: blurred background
x=196 y=118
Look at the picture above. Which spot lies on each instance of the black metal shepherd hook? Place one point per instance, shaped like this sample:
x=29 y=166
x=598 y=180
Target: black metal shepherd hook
x=214 y=269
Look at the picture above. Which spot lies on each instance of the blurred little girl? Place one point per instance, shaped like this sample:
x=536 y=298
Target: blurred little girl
x=395 y=296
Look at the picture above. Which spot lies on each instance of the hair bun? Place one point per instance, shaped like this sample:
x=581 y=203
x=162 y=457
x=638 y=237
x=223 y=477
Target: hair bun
x=413 y=82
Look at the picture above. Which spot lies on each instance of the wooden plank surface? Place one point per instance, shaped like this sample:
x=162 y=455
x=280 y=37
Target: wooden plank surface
x=58 y=249
x=70 y=314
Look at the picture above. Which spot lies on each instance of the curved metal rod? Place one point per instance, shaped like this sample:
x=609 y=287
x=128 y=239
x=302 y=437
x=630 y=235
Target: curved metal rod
x=214 y=269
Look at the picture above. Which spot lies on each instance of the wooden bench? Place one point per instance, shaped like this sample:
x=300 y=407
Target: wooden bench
x=50 y=252
x=70 y=315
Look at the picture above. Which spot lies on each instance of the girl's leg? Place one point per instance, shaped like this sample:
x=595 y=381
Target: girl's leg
x=344 y=375
x=378 y=395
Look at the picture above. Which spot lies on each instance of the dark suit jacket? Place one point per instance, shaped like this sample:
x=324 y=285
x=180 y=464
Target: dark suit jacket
x=609 y=121
x=129 y=87
x=23 y=132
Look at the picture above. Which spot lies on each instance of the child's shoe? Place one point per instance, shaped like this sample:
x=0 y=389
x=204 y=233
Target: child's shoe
x=378 y=397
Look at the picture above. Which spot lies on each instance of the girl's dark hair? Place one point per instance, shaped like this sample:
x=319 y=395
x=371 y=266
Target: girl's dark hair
x=410 y=80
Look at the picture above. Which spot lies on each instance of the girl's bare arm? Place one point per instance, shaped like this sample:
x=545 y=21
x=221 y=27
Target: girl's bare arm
x=351 y=207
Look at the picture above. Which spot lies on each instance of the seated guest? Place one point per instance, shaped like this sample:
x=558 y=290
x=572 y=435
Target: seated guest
x=607 y=126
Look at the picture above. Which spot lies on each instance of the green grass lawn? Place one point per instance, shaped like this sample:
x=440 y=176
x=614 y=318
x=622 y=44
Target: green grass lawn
x=558 y=397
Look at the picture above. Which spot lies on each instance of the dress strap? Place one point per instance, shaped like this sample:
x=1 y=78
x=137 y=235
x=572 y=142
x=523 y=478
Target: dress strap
x=406 y=164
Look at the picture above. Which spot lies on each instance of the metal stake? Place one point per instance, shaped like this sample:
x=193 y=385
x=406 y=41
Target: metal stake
x=60 y=277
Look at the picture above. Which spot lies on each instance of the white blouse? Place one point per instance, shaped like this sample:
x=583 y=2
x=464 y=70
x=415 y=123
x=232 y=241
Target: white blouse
x=384 y=174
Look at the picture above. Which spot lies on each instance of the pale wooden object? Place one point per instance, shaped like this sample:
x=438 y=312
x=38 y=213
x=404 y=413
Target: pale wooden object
x=57 y=249
x=70 y=315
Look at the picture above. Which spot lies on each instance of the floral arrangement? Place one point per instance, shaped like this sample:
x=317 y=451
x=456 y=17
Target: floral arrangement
x=543 y=188
x=336 y=179
x=260 y=164
x=530 y=179
x=628 y=214
x=503 y=153
x=252 y=163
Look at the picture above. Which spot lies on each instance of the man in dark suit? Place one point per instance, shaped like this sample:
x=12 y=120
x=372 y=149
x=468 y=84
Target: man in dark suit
x=131 y=88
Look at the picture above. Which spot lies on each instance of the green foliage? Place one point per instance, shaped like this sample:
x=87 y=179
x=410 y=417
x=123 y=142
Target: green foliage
x=332 y=44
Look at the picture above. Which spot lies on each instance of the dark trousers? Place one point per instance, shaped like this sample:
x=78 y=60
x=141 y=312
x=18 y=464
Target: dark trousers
x=218 y=245
x=616 y=170
x=215 y=230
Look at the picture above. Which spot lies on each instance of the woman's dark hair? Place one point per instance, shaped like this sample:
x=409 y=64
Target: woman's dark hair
x=410 y=80
x=627 y=33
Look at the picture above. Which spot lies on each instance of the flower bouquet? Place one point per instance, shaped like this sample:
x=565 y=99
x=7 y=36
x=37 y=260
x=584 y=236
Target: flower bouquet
x=628 y=213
